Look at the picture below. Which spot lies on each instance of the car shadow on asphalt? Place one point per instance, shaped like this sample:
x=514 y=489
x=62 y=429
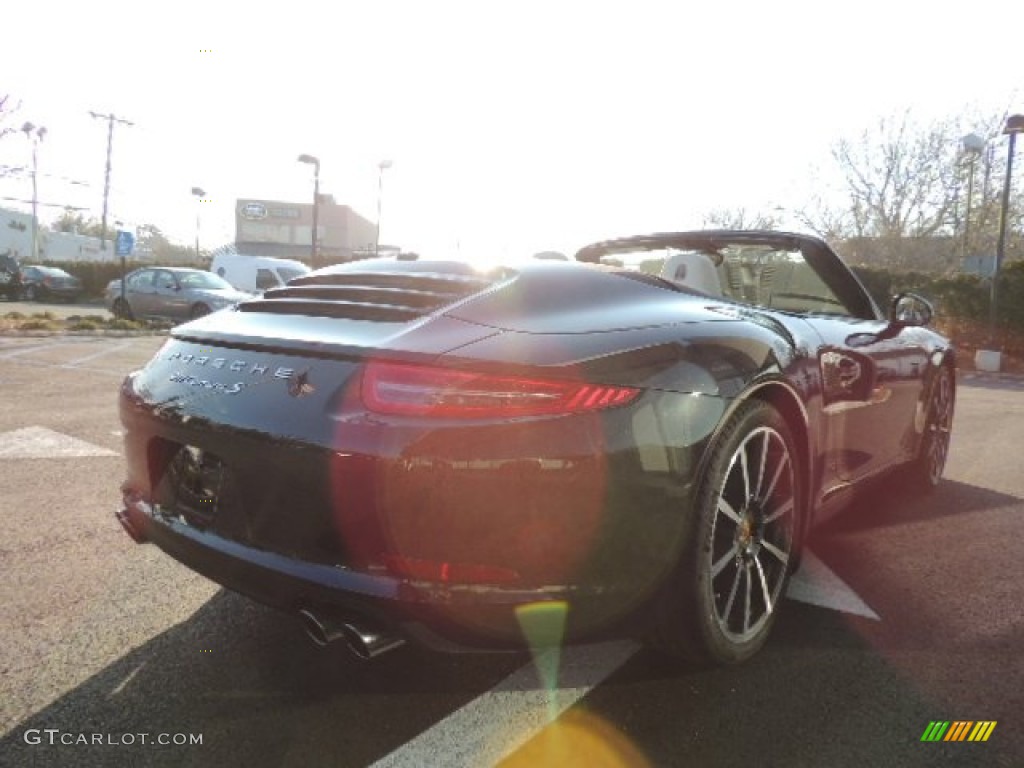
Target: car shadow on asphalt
x=248 y=680
x=890 y=502
x=260 y=692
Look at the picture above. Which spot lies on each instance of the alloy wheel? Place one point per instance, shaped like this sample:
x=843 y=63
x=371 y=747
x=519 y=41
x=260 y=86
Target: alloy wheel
x=752 y=534
x=939 y=426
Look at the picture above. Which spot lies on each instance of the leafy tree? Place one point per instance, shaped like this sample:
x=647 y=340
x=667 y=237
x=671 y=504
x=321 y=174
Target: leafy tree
x=73 y=221
x=151 y=241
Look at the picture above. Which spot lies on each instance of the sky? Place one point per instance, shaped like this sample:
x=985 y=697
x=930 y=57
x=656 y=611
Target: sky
x=511 y=127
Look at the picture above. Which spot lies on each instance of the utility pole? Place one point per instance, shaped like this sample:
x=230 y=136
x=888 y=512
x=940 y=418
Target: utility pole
x=111 y=119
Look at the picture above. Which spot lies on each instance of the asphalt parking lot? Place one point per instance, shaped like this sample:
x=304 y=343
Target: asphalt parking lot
x=908 y=612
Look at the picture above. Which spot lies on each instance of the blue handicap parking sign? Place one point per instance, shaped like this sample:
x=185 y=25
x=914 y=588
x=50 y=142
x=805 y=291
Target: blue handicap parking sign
x=124 y=243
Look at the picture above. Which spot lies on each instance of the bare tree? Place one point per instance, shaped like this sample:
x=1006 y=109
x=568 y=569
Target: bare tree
x=7 y=109
x=8 y=106
x=901 y=180
x=902 y=189
x=831 y=221
x=739 y=218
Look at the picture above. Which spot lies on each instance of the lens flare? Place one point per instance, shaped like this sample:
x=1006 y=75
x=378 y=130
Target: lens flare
x=579 y=738
x=543 y=626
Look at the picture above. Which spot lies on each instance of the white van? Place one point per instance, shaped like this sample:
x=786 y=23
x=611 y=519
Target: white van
x=255 y=274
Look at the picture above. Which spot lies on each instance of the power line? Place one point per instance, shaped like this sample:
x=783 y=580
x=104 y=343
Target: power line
x=19 y=172
x=49 y=205
x=111 y=119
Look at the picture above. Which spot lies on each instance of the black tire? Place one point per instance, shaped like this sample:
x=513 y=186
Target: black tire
x=723 y=600
x=198 y=310
x=122 y=310
x=926 y=470
x=30 y=293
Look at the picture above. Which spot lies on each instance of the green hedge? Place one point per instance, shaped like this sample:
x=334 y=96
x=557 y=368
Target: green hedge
x=956 y=297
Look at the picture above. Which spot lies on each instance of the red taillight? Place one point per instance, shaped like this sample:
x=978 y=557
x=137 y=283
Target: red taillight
x=413 y=390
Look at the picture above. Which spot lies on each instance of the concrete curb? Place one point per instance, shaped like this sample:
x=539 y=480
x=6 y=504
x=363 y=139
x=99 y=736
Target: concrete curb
x=101 y=333
x=983 y=376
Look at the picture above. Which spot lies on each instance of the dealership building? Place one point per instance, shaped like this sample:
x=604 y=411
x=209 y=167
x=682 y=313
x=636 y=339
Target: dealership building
x=16 y=241
x=285 y=230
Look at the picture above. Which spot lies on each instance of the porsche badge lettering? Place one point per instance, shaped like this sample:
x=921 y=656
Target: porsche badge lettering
x=255 y=370
x=215 y=386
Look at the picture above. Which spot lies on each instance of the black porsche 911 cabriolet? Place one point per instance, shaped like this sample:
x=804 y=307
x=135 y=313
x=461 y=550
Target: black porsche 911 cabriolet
x=634 y=443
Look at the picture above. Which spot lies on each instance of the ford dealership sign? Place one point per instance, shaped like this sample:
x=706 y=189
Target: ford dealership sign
x=254 y=211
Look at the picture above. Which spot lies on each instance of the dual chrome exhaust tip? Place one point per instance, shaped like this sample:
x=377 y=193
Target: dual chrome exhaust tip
x=323 y=628
x=364 y=640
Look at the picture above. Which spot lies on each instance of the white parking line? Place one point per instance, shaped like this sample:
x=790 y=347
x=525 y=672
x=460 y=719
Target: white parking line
x=39 y=348
x=106 y=351
x=500 y=721
x=815 y=583
x=43 y=443
x=87 y=369
x=494 y=725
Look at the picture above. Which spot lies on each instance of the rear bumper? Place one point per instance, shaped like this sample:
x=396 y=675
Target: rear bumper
x=447 y=530
x=445 y=617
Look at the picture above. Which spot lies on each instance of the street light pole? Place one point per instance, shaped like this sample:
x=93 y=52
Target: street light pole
x=1014 y=125
x=111 y=119
x=35 y=134
x=200 y=194
x=973 y=146
x=315 y=162
x=381 y=166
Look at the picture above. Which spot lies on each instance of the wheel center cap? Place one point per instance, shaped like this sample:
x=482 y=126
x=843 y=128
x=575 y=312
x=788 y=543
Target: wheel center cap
x=748 y=532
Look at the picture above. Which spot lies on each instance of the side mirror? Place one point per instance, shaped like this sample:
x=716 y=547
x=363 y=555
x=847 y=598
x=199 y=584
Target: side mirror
x=909 y=309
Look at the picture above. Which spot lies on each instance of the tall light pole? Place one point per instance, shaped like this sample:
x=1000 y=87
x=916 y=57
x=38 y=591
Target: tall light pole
x=111 y=119
x=199 y=194
x=1014 y=125
x=35 y=134
x=973 y=146
x=315 y=162
x=381 y=167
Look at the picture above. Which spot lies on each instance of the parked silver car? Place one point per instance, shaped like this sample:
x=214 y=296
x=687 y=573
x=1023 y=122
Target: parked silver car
x=170 y=292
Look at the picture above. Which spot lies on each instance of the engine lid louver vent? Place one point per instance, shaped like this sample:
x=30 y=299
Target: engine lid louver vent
x=378 y=296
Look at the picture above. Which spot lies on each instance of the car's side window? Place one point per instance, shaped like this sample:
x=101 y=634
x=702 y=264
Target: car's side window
x=760 y=275
x=776 y=279
x=165 y=280
x=140 y=280
x=265 y=279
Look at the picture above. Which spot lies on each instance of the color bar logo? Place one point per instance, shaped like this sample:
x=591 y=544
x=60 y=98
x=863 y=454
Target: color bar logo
x=958 y=730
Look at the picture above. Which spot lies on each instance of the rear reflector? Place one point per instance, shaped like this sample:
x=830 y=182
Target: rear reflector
x=449 y=573
x=412 y=390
